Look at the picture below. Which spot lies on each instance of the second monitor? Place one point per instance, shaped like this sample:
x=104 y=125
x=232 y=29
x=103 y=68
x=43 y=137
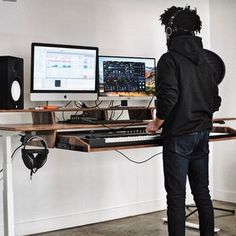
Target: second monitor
x=126 y=77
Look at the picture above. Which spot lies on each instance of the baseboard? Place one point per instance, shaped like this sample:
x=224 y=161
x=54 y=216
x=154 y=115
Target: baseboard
x=223 y=195
x=84 y=218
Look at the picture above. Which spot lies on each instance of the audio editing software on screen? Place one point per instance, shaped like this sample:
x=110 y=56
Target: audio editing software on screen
x=124 y=76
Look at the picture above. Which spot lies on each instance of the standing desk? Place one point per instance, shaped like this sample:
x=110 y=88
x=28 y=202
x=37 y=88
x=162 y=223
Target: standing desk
x=8 y=131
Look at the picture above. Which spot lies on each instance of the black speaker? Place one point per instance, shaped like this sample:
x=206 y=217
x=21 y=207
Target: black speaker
x=11 y=83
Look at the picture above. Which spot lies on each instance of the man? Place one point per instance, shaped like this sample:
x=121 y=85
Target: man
x=187 y=96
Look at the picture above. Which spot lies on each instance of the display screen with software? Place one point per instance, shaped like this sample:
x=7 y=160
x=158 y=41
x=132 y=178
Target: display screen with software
x=63 y=72
x=121 y=77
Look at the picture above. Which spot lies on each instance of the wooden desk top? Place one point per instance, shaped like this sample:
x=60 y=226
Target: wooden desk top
x=27 y=127
x=58 y=126
x=51 y=130
x=75 y=109
x=53 y=127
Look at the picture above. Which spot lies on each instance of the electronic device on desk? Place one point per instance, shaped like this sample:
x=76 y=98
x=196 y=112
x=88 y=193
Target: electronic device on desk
x=107 y=138
x=63 y=72
x=124 y=78
x=79 y=119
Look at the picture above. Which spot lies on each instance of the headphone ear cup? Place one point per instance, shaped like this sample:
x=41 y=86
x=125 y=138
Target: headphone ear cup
x=28 y=159
x=169 y=31
x=34 y=158
x=40 y=160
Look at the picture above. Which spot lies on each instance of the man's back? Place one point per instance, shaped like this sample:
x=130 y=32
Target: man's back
x=189 y=80
x=187 y=96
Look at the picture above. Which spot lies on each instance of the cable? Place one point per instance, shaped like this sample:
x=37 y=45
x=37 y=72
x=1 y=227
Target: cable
x=137 y=162
x=85 y=106
x=13 y=155
x=122 y=111
x=110 y=104
x=150 y=102
x=77 y=105
x=98 y=104
x=63 y=117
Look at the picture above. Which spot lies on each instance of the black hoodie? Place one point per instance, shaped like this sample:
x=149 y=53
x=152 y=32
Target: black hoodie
x=187 y=94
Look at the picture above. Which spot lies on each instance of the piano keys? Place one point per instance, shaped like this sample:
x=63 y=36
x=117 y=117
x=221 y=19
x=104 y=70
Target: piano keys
x=109 y=137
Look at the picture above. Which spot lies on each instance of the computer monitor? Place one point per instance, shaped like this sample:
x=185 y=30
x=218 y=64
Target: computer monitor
x=123 y=78
x=63 y=72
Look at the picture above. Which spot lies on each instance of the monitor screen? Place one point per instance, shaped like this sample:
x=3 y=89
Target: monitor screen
x=126 y=77
x=63 y=72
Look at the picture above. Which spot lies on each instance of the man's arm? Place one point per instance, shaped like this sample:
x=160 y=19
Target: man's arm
x=154 y=126
x=167 y=86
x=167 y=92
x=217 y=99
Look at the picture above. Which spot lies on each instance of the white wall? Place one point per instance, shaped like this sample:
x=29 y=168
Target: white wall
x=76 y=188
x=223 y=33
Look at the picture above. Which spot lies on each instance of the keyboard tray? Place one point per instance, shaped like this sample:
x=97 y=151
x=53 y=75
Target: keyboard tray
x=107 y=139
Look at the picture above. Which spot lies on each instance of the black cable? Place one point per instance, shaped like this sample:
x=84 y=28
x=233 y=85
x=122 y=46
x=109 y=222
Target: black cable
x=137 y=162
x=110 y=104
x=122 y=111
x=77 y=105
x=63 y=117
x=112 y=111
x=116 y=128
x=13 y=154
x=150 y=102
x=115 y=106
x=98 y=104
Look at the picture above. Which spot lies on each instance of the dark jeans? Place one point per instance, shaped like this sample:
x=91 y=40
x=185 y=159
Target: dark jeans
x=183 y=156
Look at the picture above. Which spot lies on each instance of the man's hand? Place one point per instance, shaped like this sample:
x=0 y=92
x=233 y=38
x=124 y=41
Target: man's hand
x=154 y=126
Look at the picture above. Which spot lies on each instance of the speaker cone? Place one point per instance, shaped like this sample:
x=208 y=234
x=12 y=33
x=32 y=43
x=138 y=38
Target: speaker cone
x=15 y=90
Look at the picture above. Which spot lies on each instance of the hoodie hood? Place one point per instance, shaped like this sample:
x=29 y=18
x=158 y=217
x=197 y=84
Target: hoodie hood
x=190 y=47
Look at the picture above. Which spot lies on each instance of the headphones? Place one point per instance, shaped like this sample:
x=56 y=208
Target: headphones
x=171 y=28
x=34 y=158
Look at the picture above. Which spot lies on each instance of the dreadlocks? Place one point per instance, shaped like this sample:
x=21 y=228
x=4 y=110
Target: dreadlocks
x=186 y=19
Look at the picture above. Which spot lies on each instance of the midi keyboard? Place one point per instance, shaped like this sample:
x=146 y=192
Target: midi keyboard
x=109 y=138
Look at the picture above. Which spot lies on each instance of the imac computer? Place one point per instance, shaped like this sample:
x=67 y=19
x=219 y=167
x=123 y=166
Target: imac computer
x=63 y=72
x=124 y=78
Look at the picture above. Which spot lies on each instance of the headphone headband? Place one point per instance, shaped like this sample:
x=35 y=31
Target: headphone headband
x=42 y=141
x=170 y=29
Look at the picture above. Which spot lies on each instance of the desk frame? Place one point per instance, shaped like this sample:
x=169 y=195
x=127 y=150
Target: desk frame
x=8 y=201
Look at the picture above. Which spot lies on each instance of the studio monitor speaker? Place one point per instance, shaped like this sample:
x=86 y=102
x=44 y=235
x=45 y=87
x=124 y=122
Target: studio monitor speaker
x=11 y=83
